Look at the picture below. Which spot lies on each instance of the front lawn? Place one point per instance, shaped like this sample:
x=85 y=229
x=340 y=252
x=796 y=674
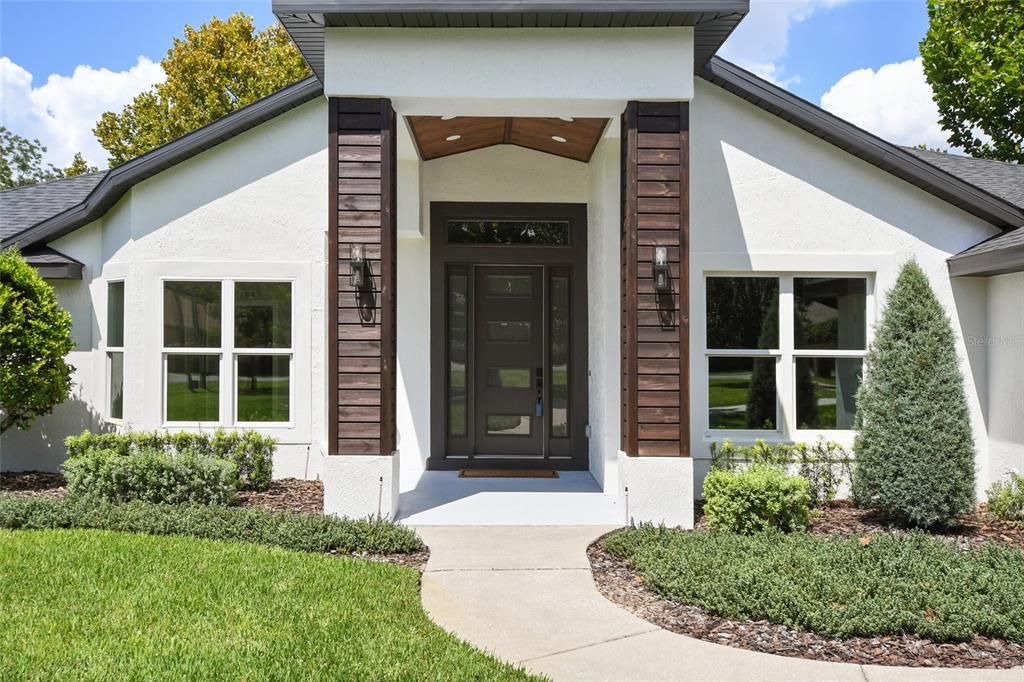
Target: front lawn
x=839 y=587
x=84 y=604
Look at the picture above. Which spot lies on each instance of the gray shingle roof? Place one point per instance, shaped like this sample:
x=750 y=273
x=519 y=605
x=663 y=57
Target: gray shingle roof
x=52 y=264
x=23 y=207
x=1005 y=180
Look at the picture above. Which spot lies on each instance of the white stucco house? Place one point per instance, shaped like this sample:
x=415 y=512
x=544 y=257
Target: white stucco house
x=517 y=234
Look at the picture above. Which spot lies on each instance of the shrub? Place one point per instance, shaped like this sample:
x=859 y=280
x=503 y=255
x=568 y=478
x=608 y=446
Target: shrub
x=1006 y=498
x=759 y=498
x=152 y=476
x=35 y=339
x=915 y=451
x=895 y=584
x=251 y=452
x=292 y=531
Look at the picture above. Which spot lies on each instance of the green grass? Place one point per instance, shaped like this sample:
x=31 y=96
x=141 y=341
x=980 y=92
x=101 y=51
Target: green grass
x=188 y=405
x=726 y=389
x=912 y=584
x=98 y=605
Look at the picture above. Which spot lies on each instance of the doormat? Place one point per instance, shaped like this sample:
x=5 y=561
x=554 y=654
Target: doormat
x=508 y=473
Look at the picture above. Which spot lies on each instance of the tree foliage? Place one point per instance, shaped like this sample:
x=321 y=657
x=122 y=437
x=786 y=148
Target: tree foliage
x=914 y=450
x=21 y=161
x=35 y=339
x=211 y=71
x=79 y=166
x=973 y=58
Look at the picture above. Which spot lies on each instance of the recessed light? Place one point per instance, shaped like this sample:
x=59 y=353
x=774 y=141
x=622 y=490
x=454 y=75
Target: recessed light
x=567 y=119
x=447 y=117
x=453 y=138
x=558 y=138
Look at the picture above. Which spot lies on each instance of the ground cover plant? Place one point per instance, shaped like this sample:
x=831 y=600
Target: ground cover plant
x=299 y=532
x=1006 y=498
x=839 y=587
x=123 y=606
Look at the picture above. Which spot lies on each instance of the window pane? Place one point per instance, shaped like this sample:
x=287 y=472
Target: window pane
x=741 y=393
x=263 y=314
x=826 y=390
x=457 y=307
x=743 y=312
x=512 y=286
x=830 y=313
x=116 y=388
x=115 y=314
x=514 y=331
x=518 y=232
x=263 y=388
x=192 y=314
x=509 y=377
x=508 y=425
x=193 y=386
x=559 y=357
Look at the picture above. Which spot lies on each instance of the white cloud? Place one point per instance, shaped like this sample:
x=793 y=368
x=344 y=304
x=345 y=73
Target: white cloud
x=894 y=102
x=61 y=113
x=762 y=38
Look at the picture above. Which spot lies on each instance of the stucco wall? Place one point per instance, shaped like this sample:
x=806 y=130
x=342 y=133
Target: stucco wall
x=766 y=196
x=254 y=206
x=1005 y=346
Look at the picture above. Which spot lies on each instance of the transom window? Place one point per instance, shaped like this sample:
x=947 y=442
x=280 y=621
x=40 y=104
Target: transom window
x=115 y=350
x=784 y=352
x=239 y=376
x=509 y=232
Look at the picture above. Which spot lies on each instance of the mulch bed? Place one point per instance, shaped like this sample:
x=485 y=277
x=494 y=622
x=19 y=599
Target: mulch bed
x=621 y=585
x=288 y=494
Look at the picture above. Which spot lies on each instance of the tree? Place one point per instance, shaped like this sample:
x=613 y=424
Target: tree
x=212 y=71
x=914 y=450
x=973 y=58
x=21 y=161
x=79 y=166
x=35 y=338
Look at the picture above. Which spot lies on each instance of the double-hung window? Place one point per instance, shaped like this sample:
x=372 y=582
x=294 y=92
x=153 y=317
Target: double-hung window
x=115 y=350
x=227 y=351
x=784 y=353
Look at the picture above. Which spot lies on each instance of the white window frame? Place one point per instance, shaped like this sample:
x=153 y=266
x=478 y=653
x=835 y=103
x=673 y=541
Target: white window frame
x=785 y=355
x=227 y=408
x=108 y=350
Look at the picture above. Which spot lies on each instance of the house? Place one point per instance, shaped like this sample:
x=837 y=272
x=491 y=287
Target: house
x=517 y=234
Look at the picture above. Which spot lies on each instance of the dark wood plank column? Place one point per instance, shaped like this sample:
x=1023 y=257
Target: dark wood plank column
x=655 y=326
x=361 y=325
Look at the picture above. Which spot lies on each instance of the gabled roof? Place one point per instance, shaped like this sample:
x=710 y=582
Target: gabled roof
x=999 y=255
x=305 y=20
x=1005 y=180
x=23 y=206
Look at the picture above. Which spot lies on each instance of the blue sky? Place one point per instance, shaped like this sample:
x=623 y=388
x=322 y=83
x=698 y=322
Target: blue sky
x=64 y=63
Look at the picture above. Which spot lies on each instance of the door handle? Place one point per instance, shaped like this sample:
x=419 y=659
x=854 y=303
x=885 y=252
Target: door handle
x=539 y=409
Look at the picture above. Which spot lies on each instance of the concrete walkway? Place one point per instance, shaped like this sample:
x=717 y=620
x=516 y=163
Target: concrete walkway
x=526 y=595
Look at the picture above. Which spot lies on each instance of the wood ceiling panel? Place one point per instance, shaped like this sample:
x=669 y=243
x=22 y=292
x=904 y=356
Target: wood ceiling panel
x=432 y=134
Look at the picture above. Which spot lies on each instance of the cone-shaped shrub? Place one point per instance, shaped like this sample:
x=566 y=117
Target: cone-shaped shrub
x=914 y=450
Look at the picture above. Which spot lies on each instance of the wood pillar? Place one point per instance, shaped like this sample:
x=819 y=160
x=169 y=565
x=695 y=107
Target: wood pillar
x=655 y=326
x=362 y=321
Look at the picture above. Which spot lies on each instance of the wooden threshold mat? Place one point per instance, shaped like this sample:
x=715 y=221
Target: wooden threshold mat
x=508 y=473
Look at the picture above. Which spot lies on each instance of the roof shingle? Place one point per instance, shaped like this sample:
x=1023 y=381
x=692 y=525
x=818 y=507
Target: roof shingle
x=23 y=207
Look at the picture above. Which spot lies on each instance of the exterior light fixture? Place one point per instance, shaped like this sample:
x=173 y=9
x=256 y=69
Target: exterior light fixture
x=558 y=138
x=358 y=267
x=662 y=274
x=453 y=138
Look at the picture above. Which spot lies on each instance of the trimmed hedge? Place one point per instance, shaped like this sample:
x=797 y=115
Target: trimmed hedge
x=152 y=476
x=759 y=498
x=1006 y=498
x=298 y=532
x=840 y=587
x=252 y=453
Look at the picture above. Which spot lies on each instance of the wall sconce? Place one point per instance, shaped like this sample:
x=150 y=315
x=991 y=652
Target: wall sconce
x=358 y=267
x=662 y=273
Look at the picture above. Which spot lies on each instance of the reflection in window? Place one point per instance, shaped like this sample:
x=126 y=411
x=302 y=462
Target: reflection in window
x=263 y=390
x=505 y=377
x=193 y=388
x=263 y=314
x=509 y=331
x=192 y=314
x=826 y=392
x=741 y=393
x=457 y=341
x=509 y=232
x=743 y=312
x=559 y=357
x=115 y=314
x=510 y=286
x=829 y=313
x=115 y=362
x=115 y=350
x=508 y=425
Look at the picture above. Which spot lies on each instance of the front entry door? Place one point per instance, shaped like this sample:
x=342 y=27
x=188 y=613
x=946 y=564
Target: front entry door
x=509 y=368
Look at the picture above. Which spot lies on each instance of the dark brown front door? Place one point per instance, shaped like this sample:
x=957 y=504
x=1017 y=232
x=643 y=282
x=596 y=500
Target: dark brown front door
x=510 y=372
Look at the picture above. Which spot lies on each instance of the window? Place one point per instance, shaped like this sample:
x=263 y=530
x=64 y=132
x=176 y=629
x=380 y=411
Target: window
x=795 y=343
x=115 y=350
x=509 y=232
x=257 y=347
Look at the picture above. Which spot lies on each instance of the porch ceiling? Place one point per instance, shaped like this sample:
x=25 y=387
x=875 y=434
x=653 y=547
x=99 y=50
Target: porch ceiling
x=437 y=136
